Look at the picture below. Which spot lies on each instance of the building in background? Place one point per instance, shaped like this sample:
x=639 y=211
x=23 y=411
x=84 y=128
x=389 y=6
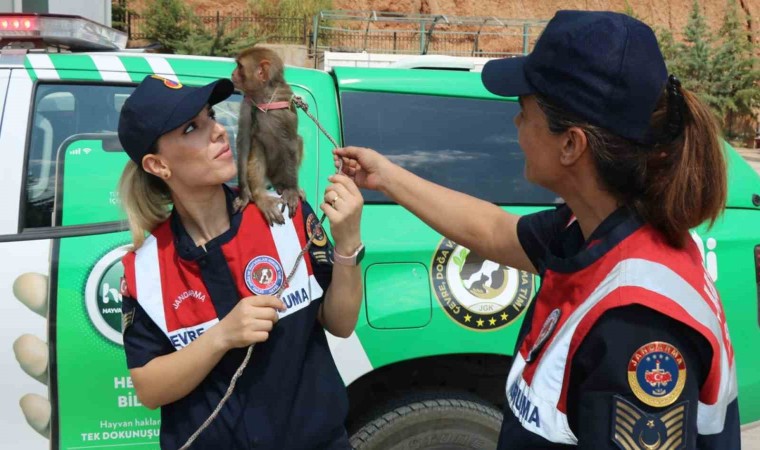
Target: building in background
x=95 y=10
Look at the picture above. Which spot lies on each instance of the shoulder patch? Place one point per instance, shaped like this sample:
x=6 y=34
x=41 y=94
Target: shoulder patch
x=633 y=429
x=315 y=231
x=657 y=374
x=264 y=275
x=127 y=314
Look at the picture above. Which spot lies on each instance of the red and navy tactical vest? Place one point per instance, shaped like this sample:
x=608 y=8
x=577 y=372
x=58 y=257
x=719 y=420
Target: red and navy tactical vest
x=290 y=395
x=642 y=269
x=175 y=297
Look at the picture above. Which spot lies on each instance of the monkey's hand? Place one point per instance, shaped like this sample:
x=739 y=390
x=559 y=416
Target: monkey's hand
x=290 y=197
x=242 y=200
x=270 y=207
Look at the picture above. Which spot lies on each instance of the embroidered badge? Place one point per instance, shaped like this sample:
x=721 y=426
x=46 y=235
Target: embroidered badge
x=315 y=231
x=546 y=330
x=264 y=275
x=167 y=82
x=123 y=288
x=657 y=374
x=633 y=429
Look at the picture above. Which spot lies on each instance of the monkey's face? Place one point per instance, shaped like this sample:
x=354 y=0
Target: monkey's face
x=248 y=76
x=238 y=76
x=196 y=154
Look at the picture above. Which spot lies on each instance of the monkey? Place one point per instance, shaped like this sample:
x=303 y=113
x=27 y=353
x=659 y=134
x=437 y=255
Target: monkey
x=268 y=143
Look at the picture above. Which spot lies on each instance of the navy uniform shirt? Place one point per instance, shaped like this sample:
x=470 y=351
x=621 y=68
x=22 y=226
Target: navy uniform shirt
x=599 y=367
x=290 y=395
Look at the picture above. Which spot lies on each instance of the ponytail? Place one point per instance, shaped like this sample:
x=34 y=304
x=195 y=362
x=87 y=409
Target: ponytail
x=674 y=185
x=145 y=198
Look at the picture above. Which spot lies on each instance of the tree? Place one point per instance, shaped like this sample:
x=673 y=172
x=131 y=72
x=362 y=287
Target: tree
x=671 y=50
x=119 y=14
x=695 y=65
x=169 y=22
x=736 y=75
x=220 y=43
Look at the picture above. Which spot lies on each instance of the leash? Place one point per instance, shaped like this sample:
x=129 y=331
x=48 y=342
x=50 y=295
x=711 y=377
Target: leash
x=300 y=103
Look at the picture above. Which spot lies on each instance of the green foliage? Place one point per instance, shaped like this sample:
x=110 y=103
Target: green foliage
x=178 y=30
x=289 y=8
x=721 y=70
x=168 y=22
x=628 y=10
x=219 y=43
x=736 y=74
x=119 y=14
x=696 y=57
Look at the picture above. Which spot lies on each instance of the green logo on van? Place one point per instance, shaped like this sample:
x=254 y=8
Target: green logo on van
x=103 y=294
x=478 y=293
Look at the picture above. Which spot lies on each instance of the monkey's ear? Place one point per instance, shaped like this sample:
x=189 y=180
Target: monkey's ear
x=263 y=71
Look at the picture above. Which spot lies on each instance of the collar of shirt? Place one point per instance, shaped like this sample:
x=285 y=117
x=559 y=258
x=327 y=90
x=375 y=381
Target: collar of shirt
x=186 y=248
x=569 y=251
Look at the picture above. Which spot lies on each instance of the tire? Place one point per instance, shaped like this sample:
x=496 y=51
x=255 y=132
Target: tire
x=442 y=421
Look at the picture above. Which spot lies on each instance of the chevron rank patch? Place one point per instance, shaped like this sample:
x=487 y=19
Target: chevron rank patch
x=633 y=429
x=127 y=318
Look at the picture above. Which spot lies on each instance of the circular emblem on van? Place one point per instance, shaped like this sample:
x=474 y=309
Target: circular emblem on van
x=102 y=295
x=264 y=275
x=477 y=293
x=657 y=374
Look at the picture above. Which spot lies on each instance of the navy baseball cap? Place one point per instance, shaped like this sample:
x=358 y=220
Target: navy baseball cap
x=158 y=106
x=603 y=67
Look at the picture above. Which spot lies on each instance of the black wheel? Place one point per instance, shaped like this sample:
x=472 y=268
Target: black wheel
x=442 y=421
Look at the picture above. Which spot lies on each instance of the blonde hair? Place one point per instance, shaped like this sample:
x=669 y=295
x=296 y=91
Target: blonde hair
x=145 y=198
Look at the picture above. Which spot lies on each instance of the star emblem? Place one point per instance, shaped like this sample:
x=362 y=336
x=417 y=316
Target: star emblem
x=480 y=322
x=650 y=424
x=504 y=316
x=467 y=318
x=492 y=321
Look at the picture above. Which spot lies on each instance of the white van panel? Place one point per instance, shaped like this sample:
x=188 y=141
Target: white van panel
x=13 y=131
x=17 y=258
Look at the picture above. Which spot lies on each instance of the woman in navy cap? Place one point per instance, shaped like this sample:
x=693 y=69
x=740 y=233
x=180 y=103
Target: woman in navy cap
x=201 y=285
x=626 y=344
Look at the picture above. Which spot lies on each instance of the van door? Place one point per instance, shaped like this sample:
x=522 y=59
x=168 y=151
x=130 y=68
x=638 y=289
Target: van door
x=62 y=257
x=23 y=264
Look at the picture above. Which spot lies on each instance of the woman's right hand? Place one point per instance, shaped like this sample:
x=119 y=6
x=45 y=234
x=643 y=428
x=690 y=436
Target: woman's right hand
x=249 y=322
x=368 y=168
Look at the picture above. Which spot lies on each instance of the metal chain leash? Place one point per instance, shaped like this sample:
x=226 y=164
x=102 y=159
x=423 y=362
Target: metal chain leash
x=299 y=102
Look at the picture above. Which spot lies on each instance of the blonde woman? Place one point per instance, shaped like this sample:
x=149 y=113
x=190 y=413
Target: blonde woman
x=199 y=287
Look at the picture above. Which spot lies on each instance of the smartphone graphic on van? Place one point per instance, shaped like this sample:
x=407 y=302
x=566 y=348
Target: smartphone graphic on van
x=92 y=397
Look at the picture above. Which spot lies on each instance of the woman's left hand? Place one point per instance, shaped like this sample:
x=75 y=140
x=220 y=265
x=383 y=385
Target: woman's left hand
x=343 y=205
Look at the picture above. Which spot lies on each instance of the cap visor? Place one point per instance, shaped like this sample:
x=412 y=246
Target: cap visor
x=196 y=100
x=506 y=77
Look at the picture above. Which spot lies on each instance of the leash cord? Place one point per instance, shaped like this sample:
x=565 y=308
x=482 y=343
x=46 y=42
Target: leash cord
x=299 y=102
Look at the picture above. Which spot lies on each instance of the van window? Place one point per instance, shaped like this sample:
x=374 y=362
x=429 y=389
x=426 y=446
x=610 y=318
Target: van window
x=469 y=145
x=64 y=110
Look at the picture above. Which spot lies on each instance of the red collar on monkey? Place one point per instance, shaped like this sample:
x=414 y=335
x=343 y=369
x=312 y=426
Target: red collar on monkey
x=264 y=107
